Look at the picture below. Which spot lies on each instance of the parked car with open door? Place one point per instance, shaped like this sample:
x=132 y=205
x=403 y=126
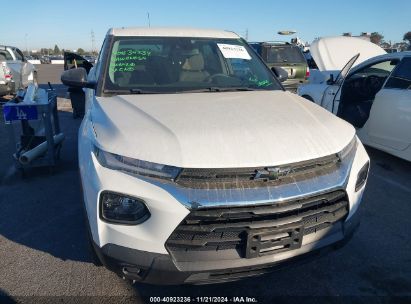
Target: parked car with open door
x=375 y=97
x=331 y=55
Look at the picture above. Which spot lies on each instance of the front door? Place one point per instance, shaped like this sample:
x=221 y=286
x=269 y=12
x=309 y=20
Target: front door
x=72 y=61
x=26 y=69
x=389 y=123
x=331 y=96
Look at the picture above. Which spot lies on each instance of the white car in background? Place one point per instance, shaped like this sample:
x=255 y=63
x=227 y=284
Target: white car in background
x=374 y=96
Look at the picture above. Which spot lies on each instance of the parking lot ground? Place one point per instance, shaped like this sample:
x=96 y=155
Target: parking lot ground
x=44 y=252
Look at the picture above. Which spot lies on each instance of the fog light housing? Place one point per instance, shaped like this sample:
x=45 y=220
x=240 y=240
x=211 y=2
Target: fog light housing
x=362 y=176
x=122 y=209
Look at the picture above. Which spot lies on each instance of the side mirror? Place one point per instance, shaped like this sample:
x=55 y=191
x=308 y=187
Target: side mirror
x=77 y=78
x=281 y=74
x=331 y=80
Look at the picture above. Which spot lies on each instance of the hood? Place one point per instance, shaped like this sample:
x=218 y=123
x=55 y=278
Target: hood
x=332 y=53
x=218 y=130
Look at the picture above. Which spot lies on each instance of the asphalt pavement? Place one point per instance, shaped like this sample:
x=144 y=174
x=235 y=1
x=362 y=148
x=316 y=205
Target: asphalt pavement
x=44 y=254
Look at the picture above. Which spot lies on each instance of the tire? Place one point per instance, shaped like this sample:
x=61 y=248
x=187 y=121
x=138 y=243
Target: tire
x=308 y=98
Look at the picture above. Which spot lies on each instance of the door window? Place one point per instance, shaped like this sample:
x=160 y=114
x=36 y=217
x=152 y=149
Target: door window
x=19 y=55
x=5 y=55
x=380 y=69
x=401 y=77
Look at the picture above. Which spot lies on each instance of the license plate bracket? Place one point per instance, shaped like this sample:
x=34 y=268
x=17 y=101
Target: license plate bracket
x=273 y=240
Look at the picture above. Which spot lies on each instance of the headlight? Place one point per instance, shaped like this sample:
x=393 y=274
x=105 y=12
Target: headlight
x=135 y=166
x=362 y=176
x=347 y=150
x=122 y=209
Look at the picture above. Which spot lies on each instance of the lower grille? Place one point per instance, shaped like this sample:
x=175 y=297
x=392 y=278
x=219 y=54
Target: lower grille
x=253 y=231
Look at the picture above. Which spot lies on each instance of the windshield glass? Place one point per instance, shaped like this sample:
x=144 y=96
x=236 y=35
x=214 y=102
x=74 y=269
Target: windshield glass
x=173 y=64
x=281 y=54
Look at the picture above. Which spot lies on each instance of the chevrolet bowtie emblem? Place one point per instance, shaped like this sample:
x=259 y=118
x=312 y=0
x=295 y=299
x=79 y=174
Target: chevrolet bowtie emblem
x=269 y=174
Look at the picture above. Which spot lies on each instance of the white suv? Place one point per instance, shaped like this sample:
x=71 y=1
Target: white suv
x=197 y=166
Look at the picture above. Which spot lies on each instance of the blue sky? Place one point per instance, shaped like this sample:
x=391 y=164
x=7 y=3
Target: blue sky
x=68 y=24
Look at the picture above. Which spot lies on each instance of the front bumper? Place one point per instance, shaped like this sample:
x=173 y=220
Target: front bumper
x=156 y=268
x=139 y=253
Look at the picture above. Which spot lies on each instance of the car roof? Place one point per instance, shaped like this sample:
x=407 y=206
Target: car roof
x=398 y=55
x=376 y=59
x=171 y=32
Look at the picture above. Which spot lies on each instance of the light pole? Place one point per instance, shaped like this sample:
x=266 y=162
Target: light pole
x=25 y=40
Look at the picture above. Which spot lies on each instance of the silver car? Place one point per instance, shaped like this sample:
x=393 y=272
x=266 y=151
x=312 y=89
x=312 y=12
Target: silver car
x=15 y=71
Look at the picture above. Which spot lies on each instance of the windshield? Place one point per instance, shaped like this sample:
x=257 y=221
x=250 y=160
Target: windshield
x=284 y=54
x=173 y=64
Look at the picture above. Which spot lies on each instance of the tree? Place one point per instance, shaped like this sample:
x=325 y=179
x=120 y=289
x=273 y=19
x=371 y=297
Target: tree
x=385 y=45
x=402 y=46
x=56 y=50
x=376 y=38
x=407 y=36
x=80 y=51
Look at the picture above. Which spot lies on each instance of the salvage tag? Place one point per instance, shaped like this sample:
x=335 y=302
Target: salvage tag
x=234 y=51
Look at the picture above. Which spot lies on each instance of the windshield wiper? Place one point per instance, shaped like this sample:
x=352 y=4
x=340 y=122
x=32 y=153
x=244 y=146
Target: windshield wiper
x=227 y=89
x=140 y=91
x=130 y=91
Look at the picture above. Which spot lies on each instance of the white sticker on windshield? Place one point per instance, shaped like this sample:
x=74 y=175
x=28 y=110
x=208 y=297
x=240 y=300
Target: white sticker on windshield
x=233 y=51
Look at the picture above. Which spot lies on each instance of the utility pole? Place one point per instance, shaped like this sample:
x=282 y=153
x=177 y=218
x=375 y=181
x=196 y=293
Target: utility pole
x=93 y=41
x=246 y=35
x=148 y=19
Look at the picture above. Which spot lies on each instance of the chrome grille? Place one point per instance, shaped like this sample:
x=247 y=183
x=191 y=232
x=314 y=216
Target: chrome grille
x=224 y=178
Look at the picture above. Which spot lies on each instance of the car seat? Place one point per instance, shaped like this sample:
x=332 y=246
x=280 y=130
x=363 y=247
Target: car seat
x=193 y=69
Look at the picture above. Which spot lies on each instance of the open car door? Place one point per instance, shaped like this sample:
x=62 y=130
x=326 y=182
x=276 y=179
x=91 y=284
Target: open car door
x=389 y=124
x=331 y=96
x=72 y=61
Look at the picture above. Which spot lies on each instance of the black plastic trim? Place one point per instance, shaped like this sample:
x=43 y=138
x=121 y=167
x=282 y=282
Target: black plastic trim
x=155 y=268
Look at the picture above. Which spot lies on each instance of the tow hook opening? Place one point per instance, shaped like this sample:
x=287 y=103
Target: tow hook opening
x=132 y=272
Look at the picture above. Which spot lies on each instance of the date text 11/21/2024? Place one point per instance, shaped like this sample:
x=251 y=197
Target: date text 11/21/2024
x=203 y=300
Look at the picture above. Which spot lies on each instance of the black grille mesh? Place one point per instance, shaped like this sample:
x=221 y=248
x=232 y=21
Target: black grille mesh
x=216 y=229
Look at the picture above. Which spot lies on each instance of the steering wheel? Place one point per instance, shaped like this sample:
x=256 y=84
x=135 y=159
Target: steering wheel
x=371 y=85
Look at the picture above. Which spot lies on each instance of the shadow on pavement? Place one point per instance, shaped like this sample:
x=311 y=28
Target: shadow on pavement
x=44 y=211
x=60 y=89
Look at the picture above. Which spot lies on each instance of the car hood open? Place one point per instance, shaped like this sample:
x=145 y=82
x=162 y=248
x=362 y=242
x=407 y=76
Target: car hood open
x=218 y=130
x=332 y=53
